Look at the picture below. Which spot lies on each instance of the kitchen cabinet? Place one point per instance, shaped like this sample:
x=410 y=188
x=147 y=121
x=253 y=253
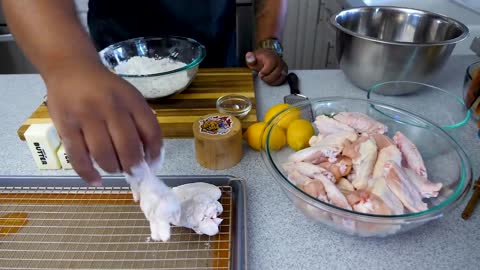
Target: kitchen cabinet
x=309 y=38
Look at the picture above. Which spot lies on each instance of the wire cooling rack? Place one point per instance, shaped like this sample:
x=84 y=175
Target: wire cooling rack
x=99 y=228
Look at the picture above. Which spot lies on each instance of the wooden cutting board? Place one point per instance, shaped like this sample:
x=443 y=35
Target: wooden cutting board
x=177 y=114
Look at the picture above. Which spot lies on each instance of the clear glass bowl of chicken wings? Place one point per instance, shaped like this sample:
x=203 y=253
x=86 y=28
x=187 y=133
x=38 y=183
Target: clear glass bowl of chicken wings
x=371 y=169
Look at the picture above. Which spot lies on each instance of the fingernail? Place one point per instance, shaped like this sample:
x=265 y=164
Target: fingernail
x=284 y=72
x=260 y=75
x=250 y=57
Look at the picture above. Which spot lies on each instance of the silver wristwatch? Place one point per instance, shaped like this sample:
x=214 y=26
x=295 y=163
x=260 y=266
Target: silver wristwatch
x=272 y=44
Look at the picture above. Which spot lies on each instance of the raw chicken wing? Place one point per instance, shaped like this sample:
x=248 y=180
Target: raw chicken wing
x=363 y=163
x=335 y=196
x=315 y=189
x=351 y=149
x=314 y=140
x=389 y=153
x=327 y=125
x=427 y=188
x=345 y=186
x=307 y=169
x=295 y=177
x=361 y=122
x=341 y=168
x=337 y=140
x=316 y=154
x=317 y=173
x=401 y=186
x=382 y=141
x=378 y=186
x=411 y=155
x=365 y=202
x=310 y=186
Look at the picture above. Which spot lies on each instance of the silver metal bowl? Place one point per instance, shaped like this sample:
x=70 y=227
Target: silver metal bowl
x=378 y=44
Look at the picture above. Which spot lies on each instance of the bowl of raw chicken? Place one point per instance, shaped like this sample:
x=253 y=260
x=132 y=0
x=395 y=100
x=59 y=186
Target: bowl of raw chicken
x=370 y=169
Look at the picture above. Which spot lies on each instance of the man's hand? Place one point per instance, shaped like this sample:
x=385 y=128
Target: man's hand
x=98 y=115
x=270 y=67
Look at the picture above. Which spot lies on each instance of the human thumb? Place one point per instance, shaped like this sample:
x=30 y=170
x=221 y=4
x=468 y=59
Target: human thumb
x=251 y=60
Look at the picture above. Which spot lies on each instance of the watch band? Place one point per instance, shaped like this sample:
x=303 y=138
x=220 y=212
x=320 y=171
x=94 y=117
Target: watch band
x=271 y=44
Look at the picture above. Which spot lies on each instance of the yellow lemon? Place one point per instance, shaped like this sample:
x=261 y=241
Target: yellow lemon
x=299 y=133
x=286 y=118
x=256 y=137
x=253 y=135
x=277 y=138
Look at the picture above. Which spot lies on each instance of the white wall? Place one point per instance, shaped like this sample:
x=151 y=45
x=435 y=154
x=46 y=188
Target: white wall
x=299 y=37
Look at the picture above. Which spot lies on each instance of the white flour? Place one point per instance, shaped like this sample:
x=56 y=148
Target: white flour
x=153 y=87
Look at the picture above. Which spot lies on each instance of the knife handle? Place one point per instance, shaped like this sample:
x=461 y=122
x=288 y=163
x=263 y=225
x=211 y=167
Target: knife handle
x=292 y=80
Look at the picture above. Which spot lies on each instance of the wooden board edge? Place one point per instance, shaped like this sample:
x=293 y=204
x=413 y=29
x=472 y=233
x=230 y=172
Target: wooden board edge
x=185 y=135
x=21 y=131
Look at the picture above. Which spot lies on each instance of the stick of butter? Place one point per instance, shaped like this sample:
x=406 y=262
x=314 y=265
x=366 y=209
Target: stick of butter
x=43 y=142
x=63 y=157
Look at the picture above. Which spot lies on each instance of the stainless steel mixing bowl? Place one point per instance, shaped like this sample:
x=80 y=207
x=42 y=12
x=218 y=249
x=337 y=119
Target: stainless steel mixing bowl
x=378 y=44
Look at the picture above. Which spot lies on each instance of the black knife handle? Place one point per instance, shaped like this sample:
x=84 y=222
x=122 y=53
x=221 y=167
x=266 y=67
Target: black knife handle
x=292 y=80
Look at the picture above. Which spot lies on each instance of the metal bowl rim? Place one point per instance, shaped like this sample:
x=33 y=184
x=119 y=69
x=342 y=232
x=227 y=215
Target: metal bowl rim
x=463 y=27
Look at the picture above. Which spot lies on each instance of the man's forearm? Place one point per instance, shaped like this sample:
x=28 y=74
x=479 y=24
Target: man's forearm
x=270 y=18
x=50 y=34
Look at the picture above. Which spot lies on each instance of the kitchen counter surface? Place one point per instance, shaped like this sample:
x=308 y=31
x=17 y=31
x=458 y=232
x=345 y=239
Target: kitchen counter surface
x=279 y=237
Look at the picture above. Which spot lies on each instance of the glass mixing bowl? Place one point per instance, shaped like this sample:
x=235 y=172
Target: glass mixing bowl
x=444 y=108
x=163 y=84
x=445 y=160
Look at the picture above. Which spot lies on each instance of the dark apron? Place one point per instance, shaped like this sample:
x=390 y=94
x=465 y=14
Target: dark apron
x=210 y=22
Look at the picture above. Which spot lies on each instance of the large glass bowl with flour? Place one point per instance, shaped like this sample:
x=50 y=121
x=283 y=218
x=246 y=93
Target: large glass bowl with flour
x=444 y=158
x=158 y=67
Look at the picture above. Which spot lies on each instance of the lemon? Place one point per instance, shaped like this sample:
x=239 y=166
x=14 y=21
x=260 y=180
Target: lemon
x=277 y=139
x=299 y=133
x=286 y=118
x=254 y=134
x=256 y=137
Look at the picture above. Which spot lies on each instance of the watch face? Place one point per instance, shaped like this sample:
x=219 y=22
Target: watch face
x=278 y=47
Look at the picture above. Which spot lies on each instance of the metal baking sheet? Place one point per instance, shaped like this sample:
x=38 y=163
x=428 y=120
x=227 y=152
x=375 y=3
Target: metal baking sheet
x=58 y=223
